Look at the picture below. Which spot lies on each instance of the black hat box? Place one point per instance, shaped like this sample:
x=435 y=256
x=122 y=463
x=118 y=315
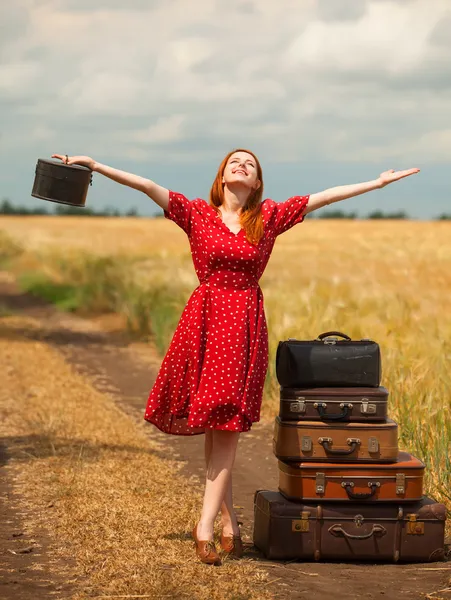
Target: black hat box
x=58 y=182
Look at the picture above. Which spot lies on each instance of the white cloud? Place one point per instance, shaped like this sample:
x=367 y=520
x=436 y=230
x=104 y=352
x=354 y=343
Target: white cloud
x=190 y=52
x=437 y=141
x=365 y=80
x=165 y=130
x=42 y=133
x=106 y=94
x=18 y=78
x=390 y=37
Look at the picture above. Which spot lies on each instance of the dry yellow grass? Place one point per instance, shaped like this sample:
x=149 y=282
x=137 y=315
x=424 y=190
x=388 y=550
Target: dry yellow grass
x=97 y=235
x=387 y=280
x=118 y=508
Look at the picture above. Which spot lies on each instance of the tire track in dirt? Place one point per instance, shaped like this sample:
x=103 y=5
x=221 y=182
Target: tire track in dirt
x=127 y=372
x=24 y=558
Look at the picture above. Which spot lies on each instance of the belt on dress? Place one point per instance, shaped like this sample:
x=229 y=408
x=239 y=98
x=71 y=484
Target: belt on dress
x=229 y=279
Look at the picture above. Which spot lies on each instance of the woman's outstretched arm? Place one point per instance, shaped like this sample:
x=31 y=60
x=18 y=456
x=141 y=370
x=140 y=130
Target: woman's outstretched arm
x=349 y=191
x=159 y=194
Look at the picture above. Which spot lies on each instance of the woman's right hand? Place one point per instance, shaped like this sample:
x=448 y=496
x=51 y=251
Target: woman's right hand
x=85 y=161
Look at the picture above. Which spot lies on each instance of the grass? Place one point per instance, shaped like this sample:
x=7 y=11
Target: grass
x=390 y=281
x=62 y=295
x=5 y=311
x=92 y=285
x=96 y=480
x=9 y=249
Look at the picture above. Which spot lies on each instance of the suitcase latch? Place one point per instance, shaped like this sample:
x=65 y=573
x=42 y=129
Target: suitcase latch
x=306 y=443
x=358 y=520
x=367 y=409
x=320 y=487
x=400 y=484
x=414 y=527
x=373 y=444
x=301 y=524
x=297 y=407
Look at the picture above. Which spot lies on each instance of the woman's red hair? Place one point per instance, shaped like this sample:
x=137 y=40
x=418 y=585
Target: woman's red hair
x=250 y=218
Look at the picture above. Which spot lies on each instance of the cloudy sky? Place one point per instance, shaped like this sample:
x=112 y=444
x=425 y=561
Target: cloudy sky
x=326 y=92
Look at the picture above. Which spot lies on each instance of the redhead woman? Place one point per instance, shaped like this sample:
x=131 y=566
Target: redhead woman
x=211 y=378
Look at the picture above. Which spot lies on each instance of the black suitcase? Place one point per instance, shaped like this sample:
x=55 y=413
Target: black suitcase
x=333 y=404
x=285 y=530
x=328 y=362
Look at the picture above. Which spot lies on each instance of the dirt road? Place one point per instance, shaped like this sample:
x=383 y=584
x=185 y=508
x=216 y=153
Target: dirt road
x=126 y=371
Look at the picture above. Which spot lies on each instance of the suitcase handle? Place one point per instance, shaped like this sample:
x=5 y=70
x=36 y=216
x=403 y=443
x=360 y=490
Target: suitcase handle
x=360 y=495
x=377 y=530
x=320 y=407
x=326 y=442
x=321 y=336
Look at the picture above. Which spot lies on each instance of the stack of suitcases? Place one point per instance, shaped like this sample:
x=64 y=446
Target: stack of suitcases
x=346 y=492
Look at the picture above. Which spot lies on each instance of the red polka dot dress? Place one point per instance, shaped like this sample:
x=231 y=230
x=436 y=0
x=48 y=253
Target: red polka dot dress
x=213 y=372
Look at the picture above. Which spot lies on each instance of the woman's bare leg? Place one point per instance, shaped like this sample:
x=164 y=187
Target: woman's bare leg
x=219 y=469
x=228 y=515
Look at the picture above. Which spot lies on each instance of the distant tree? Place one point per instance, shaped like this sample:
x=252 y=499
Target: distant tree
x=109 y=212
x=67 y=210
x=7 y=208
x=444 y=217
x=378 y=214
x=336 y=214
x=132 y=213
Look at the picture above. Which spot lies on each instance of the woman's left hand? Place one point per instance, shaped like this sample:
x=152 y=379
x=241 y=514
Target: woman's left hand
x=392 y=175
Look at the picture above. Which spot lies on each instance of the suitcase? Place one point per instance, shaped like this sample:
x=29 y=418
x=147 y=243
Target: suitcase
x=401 y=481
x=334 y=404
x=286 y=530
x=335 y=442
x=328 y=362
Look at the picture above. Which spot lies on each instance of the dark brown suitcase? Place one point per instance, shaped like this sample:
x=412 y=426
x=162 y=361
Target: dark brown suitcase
x=333 y=404
x=401 y=481
x=335 y=442
x=286 y=530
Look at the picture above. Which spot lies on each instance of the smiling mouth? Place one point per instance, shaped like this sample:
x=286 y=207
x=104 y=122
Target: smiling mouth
x=240 y=171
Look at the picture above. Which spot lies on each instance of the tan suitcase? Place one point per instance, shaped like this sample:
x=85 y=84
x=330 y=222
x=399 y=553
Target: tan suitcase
x=335 y=442
x=401 y=481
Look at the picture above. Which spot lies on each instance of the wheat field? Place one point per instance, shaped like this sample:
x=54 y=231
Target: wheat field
x=386 y=280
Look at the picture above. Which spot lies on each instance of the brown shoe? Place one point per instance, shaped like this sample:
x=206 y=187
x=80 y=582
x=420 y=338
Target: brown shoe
x=232 y=545
x=206 y=550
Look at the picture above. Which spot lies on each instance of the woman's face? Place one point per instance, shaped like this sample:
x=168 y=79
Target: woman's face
x=241 y=169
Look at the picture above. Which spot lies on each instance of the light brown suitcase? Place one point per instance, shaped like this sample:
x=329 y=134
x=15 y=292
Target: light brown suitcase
x=348 y=531
x=401 y=481
x=335 y=442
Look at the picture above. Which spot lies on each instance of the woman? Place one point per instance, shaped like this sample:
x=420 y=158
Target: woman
x=211 y=378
